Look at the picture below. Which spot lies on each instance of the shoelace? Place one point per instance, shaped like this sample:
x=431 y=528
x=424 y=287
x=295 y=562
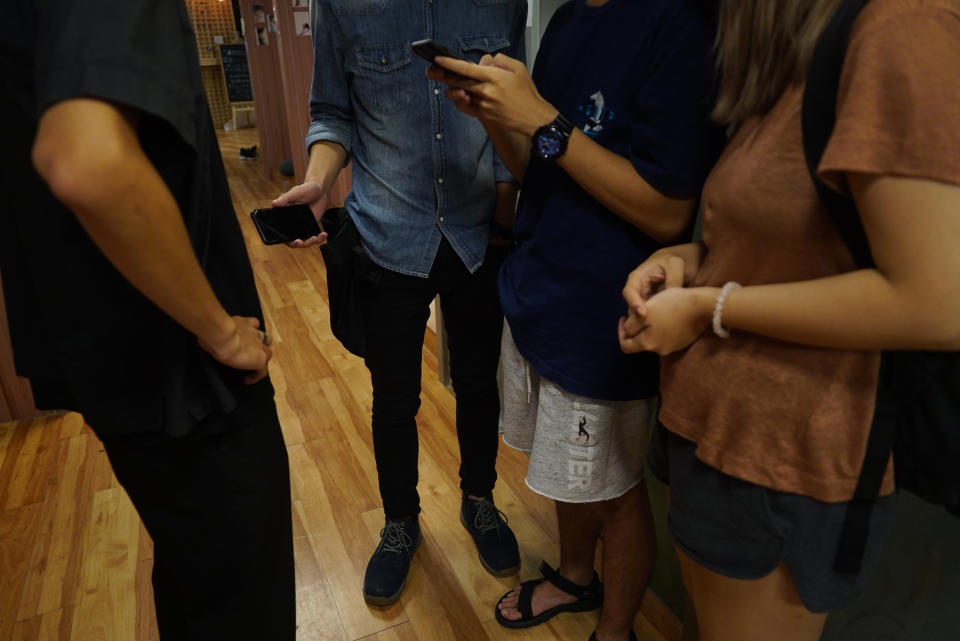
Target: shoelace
x=394 y=538
x=488 y=517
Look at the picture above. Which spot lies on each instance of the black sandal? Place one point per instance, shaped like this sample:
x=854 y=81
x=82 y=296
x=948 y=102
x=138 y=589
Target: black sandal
x=632 y=637
x=589 y=597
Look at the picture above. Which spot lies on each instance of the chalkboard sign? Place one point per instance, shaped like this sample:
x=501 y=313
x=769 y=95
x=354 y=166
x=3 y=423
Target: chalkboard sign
x=236 y=73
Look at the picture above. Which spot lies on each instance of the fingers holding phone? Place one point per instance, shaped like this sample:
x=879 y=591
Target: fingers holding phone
x=309 y=193
x=499 y=91
x=294 y=225
x=312 y=195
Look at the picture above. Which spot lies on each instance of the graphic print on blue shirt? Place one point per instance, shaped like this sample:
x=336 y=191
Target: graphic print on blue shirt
x=637 y=77
x=421 y=169
x=596 y=112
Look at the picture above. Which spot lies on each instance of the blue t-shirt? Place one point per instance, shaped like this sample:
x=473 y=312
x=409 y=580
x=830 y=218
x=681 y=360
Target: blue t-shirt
x=638 y=77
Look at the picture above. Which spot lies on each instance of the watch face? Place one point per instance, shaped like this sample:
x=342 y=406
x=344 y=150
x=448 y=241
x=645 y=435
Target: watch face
x=550 y=143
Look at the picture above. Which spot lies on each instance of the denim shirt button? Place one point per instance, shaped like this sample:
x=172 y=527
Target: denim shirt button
x=436 y=92
x=441 y=219
x=440 y=180
x=439 y=136
x=383 y=61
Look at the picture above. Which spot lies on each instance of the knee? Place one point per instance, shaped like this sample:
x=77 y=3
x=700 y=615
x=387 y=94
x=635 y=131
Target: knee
x=630 y=503
x=396 y=405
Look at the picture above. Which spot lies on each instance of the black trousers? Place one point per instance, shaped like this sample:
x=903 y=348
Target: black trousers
x=396 y=310
x=217 y=505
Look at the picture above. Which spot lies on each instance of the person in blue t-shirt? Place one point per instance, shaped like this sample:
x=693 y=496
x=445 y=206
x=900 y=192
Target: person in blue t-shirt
x=611 y=139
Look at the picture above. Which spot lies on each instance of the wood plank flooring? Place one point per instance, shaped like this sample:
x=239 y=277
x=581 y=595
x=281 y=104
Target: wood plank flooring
x=75 y=561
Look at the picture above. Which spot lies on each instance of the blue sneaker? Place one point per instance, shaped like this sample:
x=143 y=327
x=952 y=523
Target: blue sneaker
x=386 y=574
x=496 y=544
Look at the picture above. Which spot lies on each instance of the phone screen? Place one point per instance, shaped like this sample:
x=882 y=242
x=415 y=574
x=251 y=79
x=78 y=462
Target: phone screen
x=285 y=224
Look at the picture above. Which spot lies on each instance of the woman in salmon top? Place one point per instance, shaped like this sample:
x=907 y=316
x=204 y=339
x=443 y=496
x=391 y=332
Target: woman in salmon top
x=771 y=334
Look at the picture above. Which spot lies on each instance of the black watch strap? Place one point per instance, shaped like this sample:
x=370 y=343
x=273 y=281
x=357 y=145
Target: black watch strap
x=550 y=141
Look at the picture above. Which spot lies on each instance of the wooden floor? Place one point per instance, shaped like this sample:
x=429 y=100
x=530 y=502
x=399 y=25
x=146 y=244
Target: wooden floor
x=75 y=561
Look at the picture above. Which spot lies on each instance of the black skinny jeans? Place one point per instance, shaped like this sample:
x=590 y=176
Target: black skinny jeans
x=396 y=310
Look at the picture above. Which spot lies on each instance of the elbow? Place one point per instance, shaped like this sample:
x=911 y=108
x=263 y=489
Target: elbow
x=667 y=232
x=939 y=331
x=77 y=173
x=675 y=221
x=672 y=221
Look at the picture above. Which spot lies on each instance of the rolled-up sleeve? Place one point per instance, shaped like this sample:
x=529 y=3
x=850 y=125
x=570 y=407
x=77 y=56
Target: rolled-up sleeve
x=331 y=111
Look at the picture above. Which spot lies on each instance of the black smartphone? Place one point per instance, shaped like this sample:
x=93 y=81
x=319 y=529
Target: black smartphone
x=285 y=224
x=430 y=49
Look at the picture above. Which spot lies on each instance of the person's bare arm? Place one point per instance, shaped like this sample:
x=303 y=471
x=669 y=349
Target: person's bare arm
x=89 y=154
x=911 y=300
x=501 y=94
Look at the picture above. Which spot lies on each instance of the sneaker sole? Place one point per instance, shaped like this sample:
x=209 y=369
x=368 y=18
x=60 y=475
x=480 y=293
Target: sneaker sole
x=385 y=600
x=497 y=573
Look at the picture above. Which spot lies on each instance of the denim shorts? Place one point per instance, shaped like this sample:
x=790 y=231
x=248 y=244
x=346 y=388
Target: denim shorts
x=744 y=531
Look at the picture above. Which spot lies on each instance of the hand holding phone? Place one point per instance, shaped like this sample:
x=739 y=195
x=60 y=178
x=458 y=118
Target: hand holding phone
x=430 y=49
x=286 y=224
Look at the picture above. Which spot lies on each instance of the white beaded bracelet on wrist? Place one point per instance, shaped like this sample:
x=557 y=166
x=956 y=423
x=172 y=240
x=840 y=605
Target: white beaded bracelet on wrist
x=718 y=327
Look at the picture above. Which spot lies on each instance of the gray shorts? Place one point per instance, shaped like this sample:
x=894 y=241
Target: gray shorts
x=581 y=450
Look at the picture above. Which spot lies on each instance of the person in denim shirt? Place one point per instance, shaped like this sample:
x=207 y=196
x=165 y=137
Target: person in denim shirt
x=427 y=186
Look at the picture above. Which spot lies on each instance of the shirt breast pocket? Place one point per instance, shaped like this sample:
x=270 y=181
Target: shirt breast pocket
x=384 y=79
x=474 y=47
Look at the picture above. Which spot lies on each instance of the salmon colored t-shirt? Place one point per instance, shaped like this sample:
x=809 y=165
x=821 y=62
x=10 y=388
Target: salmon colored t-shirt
x=782 y=415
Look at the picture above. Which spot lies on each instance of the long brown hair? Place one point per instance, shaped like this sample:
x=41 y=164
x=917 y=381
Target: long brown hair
x=764 y=46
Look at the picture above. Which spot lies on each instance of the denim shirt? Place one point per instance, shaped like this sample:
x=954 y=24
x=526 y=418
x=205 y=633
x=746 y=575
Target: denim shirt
x=421 y=169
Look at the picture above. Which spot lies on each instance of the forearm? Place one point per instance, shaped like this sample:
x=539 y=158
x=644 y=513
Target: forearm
x=513 y=149
x=614 y=182
x=856 y=310
x=90 y=156
x=327 y=158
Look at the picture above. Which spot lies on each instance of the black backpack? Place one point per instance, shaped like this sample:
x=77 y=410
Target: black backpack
x=917 y=412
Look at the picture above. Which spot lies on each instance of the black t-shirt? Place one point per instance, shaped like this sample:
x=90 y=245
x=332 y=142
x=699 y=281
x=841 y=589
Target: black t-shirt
x=84 y=336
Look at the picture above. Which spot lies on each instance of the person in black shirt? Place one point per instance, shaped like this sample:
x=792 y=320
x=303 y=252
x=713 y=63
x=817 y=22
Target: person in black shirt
x=131 y=300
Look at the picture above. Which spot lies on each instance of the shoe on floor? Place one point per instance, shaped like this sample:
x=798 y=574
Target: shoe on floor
x=496 y=544
x=387 y=569
x=248 y=153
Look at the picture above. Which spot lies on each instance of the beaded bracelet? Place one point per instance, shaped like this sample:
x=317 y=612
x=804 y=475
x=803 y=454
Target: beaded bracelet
x=718 y=327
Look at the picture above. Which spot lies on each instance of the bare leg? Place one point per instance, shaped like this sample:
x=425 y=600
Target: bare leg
x=579 y=527
x=748 y=610
x=629 y=545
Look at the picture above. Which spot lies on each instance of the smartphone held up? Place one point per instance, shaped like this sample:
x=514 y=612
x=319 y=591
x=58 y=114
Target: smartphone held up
x=430 y=49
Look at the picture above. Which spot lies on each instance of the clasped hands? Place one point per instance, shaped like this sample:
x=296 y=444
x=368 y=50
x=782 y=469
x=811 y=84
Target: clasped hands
x=663 y=316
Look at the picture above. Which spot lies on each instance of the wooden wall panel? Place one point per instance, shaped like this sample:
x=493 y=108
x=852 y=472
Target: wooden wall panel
x=296 y=64
x=16 y=399
x=265 y=76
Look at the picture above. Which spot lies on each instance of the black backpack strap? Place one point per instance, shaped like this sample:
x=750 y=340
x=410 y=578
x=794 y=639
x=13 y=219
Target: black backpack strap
x=856 y=523
x=819 y=119
x=820 y=116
